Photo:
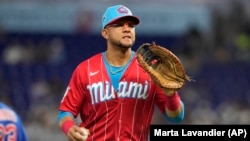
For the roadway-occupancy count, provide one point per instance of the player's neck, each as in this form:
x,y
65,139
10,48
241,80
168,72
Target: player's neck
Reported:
x,y
118,58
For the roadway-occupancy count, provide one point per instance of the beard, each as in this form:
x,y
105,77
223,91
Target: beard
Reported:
x,y
122,45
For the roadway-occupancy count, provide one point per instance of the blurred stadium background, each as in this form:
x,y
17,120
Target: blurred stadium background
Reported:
x,y
42,41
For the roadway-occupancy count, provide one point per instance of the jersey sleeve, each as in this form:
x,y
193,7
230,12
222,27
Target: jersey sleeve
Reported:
x,y
74,94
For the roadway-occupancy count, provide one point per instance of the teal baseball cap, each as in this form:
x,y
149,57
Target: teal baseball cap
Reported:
x,y
117,12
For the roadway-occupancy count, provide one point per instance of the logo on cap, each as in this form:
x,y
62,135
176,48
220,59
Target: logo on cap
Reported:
x,y
122,10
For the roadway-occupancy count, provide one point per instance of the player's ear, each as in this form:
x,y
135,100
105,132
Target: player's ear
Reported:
x,y
104,33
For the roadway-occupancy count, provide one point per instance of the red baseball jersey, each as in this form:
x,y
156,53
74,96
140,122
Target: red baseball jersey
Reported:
x,y
124,114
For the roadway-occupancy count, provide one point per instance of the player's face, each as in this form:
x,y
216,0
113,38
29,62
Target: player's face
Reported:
x,y
121,33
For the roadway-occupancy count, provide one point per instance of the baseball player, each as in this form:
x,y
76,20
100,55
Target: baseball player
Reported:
x,y
113,96
11,127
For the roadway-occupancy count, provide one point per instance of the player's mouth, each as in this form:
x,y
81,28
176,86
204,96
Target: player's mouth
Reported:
x,y
126,37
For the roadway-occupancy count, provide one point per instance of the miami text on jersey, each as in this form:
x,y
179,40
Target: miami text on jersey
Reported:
x,y
103,91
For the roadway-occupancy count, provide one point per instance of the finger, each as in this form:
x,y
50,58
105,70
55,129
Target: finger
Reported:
x,y
74,134
85,131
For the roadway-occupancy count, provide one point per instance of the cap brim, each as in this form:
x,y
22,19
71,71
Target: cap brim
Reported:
x,y
131,18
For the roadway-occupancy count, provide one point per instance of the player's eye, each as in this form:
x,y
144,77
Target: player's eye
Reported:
x,y
120,24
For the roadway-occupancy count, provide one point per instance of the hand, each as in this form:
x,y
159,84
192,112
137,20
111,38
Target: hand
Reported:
x,y
77,133
169,92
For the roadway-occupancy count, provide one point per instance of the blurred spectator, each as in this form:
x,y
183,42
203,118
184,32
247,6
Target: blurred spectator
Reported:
x,y
29,52
42,51
203,114
240,110
39,91
2,36
84,21
243,46
57,87
13,53
56,52
191,48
